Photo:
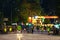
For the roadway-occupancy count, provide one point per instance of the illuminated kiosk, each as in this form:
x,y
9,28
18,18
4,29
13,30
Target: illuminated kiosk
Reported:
x,y
37,20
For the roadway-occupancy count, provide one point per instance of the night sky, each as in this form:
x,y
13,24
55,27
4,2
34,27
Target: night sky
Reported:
x,y
48,5
6,7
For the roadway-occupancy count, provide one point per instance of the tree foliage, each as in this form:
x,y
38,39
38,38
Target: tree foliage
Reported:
x,y
27,9
22,9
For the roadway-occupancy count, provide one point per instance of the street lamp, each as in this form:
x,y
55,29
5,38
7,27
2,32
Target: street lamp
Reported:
x,y
11,15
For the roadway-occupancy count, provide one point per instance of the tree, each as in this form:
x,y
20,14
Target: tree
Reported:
x,y
46,21
20,9
27,9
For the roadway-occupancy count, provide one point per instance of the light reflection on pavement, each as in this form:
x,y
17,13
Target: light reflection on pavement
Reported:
x,y
19,36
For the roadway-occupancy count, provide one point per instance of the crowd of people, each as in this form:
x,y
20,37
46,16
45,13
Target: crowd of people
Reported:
x,y
31,28
25,28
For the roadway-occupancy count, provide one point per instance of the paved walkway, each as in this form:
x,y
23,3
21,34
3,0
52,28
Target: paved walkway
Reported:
x,y
39,37
25,36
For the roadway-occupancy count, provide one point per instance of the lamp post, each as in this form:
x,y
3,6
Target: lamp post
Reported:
x,y
11,15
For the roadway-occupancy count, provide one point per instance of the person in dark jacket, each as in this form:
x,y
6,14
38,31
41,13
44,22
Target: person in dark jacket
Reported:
x,y
37,28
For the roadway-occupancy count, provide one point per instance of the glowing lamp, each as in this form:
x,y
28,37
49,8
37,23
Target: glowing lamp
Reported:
x,y
29,17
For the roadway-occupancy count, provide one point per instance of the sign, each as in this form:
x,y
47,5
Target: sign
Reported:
x,y
51,16
47,16
5,19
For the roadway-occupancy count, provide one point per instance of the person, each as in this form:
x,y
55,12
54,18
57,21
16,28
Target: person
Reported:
x,y
48,29
19,28
55,31
37,28
44,28
0,28
10,28
32,29
23,27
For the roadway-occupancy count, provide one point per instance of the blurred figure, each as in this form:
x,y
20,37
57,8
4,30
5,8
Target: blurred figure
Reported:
x,y
19,28
38,28
55,31
29,28
32,29
48,29
0,28
23,27
44,28
10,28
